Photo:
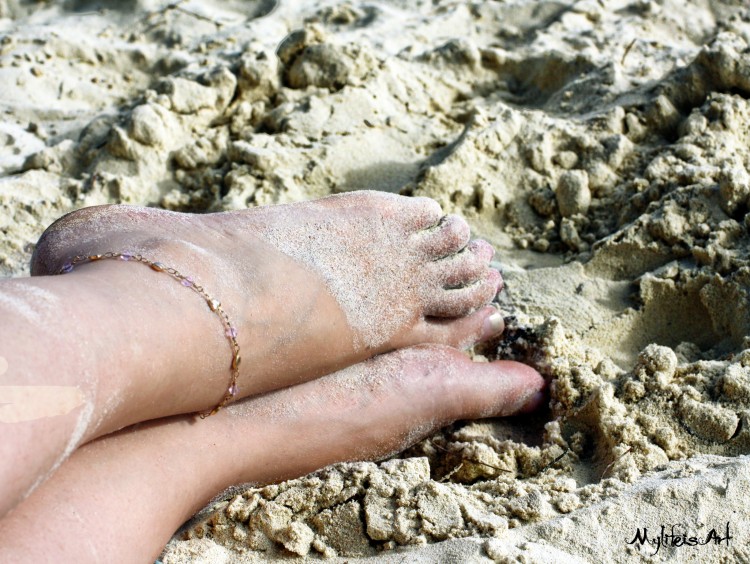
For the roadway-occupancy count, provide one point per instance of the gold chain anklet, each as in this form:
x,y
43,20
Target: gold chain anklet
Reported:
x,y
213,304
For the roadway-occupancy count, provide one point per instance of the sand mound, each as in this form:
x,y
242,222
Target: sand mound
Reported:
x,y
603,147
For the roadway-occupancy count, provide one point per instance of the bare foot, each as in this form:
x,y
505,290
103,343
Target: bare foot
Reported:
x,y
116,489
312,287
377,408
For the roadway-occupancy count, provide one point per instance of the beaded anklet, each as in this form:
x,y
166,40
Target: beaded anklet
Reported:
x,y
213,304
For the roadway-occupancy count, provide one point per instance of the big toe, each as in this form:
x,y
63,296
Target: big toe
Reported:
x,y
463,389
496,389
422,388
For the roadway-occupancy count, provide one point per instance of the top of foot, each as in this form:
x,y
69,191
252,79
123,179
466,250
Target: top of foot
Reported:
x,y
313,286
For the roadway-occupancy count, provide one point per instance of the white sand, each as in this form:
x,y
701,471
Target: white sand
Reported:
x,y
602,146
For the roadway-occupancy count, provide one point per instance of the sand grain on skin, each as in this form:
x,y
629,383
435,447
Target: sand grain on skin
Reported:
x,y
601,147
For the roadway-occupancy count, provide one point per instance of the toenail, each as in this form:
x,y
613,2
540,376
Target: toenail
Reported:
x,y
534,402
493,325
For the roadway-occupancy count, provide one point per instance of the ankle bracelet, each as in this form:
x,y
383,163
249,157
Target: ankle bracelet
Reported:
x,y
213,304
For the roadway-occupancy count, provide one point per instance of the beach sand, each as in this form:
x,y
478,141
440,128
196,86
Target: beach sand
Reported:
x,y
601,146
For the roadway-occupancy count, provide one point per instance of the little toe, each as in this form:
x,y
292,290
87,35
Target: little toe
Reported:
x,y
461,301
465,267
449,236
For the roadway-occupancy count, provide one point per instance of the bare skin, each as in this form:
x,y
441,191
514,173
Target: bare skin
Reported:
x,y
311,287
144,482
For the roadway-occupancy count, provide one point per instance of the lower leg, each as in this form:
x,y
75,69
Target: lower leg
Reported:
x,y
99,349
127,493
122,344
78,356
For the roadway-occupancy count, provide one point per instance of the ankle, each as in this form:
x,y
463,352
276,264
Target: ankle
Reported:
x,y
154,339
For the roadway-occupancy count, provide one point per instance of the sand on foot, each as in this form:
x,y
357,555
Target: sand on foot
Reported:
x,y
601,147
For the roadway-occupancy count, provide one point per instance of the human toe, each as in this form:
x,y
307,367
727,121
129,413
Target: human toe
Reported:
x,y
456,387
449,236
459,332
422,213
465,267
495,389
456,302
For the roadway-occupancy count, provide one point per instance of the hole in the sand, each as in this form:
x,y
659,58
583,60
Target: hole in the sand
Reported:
x,y
677,307
533,83
460,452
93,5
526,429
675,312
738,430
386,176
592,461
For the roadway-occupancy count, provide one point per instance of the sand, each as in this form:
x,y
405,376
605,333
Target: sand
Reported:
x,y
601,146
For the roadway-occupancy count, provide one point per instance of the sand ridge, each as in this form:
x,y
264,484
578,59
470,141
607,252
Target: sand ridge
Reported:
x,y
602,147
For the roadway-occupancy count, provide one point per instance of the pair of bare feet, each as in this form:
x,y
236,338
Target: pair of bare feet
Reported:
x,y
377,291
